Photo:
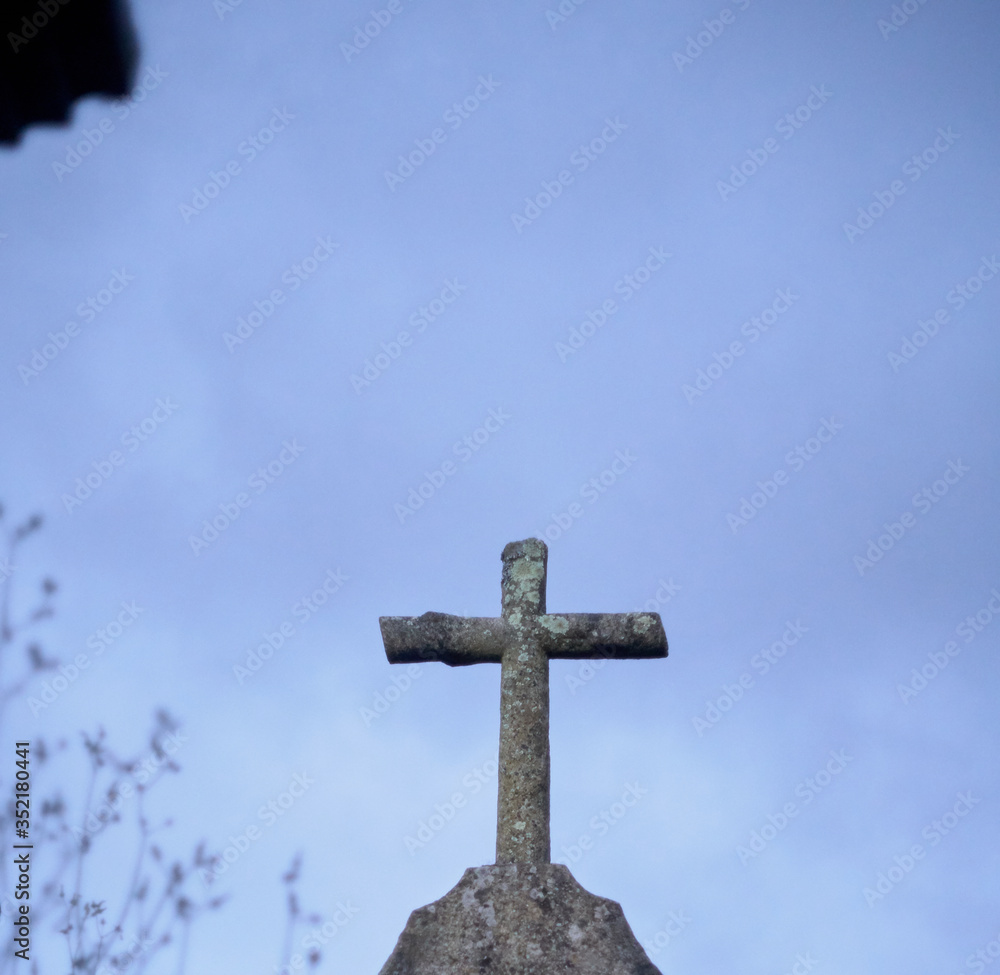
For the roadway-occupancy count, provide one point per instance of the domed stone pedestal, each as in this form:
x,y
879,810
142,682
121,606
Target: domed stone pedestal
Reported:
x,y
518,919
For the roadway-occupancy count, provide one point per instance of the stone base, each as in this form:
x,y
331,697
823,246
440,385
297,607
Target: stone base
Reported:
x,y
518,919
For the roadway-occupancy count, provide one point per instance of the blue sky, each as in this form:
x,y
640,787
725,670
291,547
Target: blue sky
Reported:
x,y
705,296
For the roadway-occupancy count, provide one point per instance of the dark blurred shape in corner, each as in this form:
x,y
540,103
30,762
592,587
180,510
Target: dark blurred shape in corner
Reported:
x,y
53,52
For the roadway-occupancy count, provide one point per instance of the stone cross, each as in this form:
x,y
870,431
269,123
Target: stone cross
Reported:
x,y
522,640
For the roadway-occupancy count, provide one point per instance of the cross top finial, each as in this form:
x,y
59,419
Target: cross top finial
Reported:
x,y
522,584
523,640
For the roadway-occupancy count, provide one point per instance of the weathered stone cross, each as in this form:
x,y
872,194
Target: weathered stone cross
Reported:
x,y
521,640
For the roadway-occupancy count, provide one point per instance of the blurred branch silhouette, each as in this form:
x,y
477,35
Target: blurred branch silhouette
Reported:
x,y
56,53
156,909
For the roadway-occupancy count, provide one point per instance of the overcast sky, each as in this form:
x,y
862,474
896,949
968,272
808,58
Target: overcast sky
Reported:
x,y
352,295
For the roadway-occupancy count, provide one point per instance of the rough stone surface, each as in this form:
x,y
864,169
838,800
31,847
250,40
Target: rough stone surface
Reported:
x,y
522,640
523,768
518,919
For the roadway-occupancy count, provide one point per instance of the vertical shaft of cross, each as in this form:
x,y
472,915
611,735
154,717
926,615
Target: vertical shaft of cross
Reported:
x,y
523,796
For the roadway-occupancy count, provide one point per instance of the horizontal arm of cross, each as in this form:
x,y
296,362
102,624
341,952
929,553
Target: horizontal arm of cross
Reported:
x,y
621,636
453,640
